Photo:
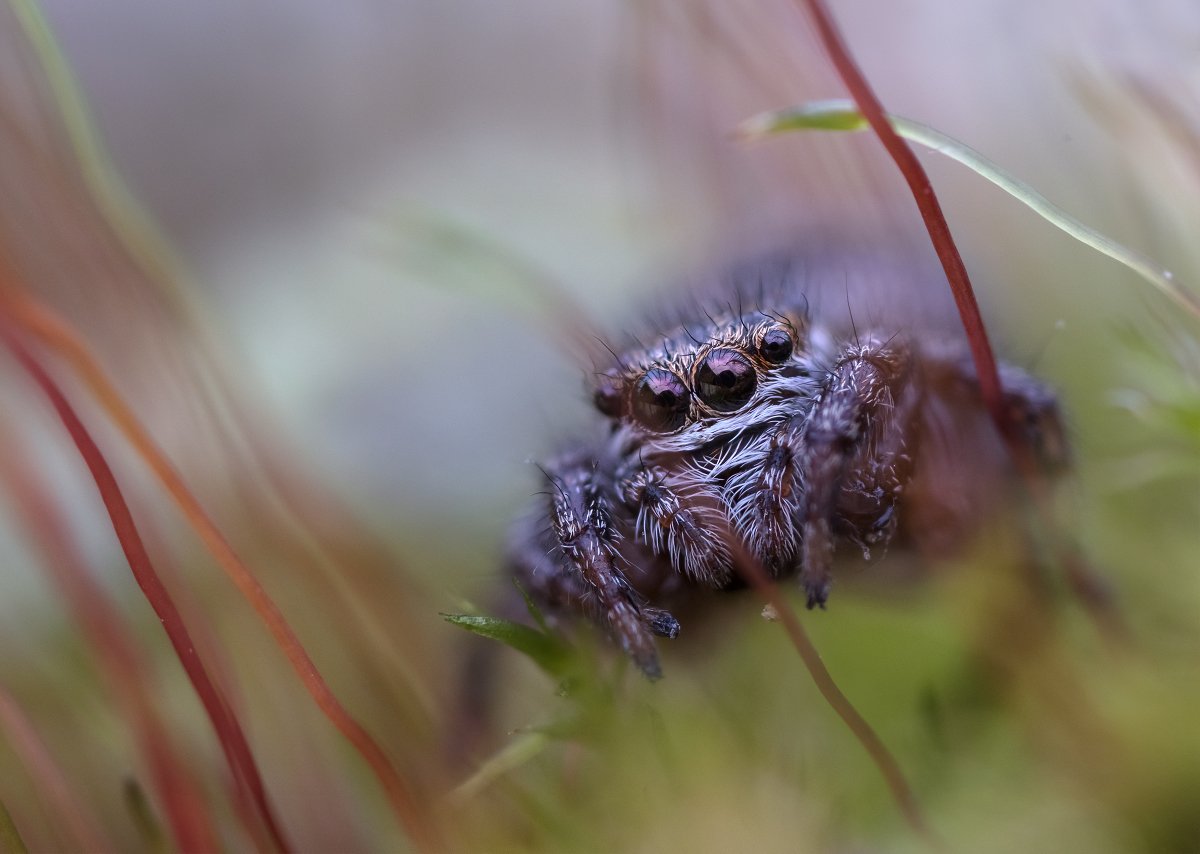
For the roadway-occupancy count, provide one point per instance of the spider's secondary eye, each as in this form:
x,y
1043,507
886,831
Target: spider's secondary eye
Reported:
x,y
776,346
660,401
725,380
609,395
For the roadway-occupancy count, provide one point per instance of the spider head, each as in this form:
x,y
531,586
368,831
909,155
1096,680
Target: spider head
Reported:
x,y
701,377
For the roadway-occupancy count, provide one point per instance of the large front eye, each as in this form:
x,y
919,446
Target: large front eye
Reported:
x,y
725,380
660,401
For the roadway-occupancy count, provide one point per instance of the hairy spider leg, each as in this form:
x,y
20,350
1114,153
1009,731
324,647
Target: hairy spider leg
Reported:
x,y
855,436
682,519
583,526
766,508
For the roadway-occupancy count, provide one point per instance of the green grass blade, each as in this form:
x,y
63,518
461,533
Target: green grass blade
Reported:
x,y
149,829
841,115
120,208
10,838
549,653
511,757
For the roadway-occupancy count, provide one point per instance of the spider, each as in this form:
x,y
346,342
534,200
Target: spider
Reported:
x,y
751,430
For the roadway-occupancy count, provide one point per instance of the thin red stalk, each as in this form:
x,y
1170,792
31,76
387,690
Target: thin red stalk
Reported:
x,y
55,333
115,650
1082,579
964,297
48,777
927,202
229,732
752,572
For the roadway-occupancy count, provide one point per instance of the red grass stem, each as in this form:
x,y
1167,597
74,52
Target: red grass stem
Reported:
x,y
115,649
55,333
1079,575
927,202
229,732
1084,584
752,572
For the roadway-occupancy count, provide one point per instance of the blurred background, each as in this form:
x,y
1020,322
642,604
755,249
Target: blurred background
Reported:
x,y
335,256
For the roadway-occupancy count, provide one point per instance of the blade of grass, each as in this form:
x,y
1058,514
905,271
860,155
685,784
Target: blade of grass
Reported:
x,y
55,333
117,204
511,757
229,732
10,838
149,830
452,247
550,654
841,115
49,781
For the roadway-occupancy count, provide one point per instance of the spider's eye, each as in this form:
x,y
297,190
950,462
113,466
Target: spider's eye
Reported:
x,y
609,395
776,345
660,401
725,380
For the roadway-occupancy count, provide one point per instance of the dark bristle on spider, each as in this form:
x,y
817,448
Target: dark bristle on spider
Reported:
x,y
749,429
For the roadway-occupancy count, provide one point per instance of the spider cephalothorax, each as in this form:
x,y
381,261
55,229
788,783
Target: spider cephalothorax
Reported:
x,y
755,433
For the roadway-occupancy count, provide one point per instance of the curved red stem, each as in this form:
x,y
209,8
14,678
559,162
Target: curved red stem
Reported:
x,y
229,732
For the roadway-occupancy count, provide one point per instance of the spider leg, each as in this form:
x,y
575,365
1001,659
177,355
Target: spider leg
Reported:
x,y
1033,413
948,498
683,519
581,572
1030,405
1036,423
855,457
768,496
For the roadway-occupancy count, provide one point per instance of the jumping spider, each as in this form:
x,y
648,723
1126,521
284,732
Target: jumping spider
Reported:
x,y
754,432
